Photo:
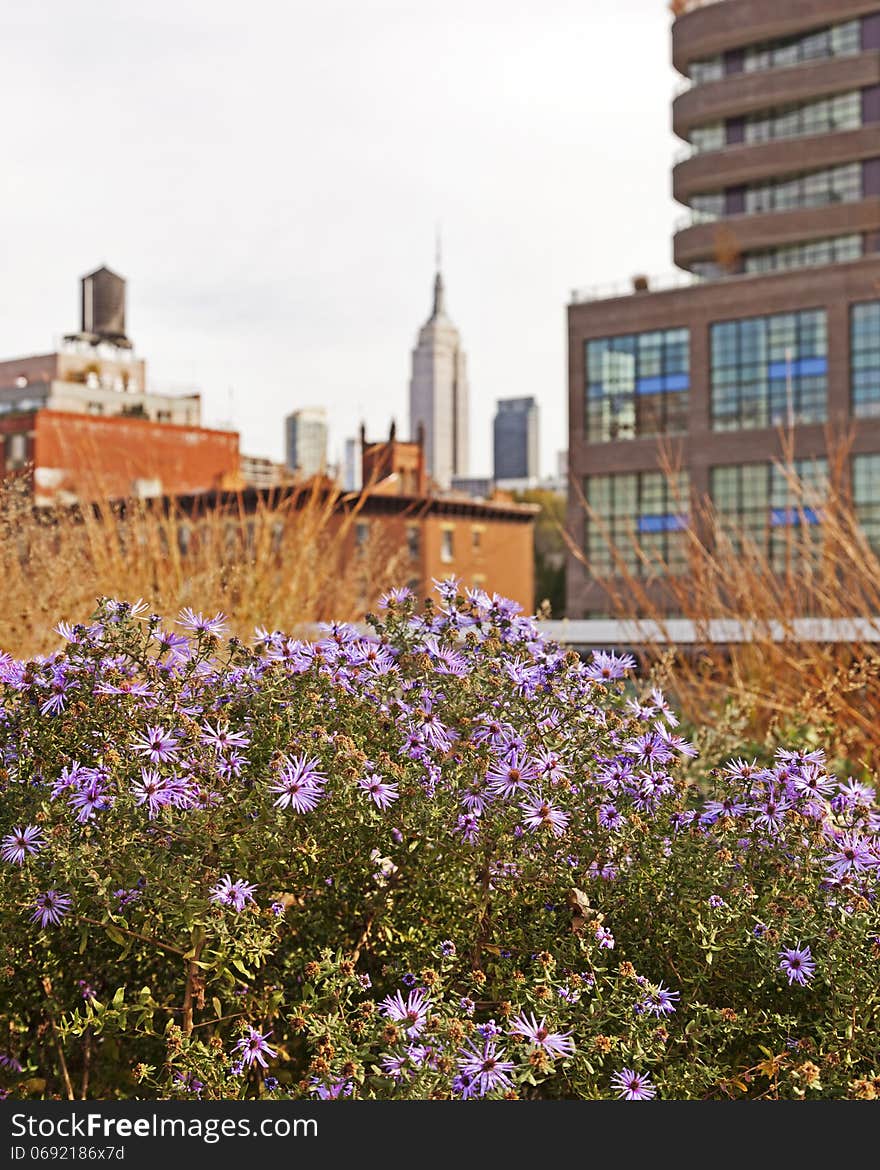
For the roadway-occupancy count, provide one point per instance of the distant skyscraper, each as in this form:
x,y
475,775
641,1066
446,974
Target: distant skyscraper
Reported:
x,y
438,394
352,480
515,434
306,435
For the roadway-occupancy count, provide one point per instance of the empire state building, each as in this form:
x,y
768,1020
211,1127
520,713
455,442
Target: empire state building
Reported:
x,y
438,394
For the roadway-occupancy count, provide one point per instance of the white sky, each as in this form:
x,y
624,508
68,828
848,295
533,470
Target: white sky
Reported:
x,y
268,176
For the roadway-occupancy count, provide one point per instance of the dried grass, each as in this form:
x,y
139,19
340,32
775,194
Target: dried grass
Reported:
x,y
773,686
293,560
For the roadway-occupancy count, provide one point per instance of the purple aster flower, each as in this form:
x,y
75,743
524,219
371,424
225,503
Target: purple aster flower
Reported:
x,y
541,814
394,597
487,1066
236,894
381,792
157,743
505,778
798,964
852,855
330,1092
90,798
413,1011
222,738
175,644
199,624
467,1005
10,1063
488,1030
151,790
605,938
468,825
300,785
447,948
632,1086
21,843
50,908
716,901
605,666
554,1043
270,1084
660,1001
771,814
253,1047
609,817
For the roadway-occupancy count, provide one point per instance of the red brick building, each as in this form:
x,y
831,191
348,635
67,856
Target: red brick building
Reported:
x,y
83,457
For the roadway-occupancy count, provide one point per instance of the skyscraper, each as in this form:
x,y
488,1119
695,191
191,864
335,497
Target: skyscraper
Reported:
x,y
306,435
515,435
438,393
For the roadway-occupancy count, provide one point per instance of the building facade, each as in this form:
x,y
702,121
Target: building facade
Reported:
x,y
73,457
439,394
683,395
515,440
306,441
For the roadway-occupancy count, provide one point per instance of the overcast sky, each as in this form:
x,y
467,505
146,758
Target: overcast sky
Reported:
x,y
268,176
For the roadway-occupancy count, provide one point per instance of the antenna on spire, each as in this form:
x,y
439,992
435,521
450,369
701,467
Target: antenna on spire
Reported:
x,y
438,247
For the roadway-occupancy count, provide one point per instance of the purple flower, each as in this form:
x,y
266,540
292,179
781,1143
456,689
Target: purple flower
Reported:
x,y
554,1043
330,1092
381,792
716,901
447,948
50,908
632,1086
299,784
21,843
606,666
199,624
157,743
236,894
151,790
413,1011
505,778
467,1005
660,1001
222,738
605,938
541,814
487,1069
851,856
798,964
253,1047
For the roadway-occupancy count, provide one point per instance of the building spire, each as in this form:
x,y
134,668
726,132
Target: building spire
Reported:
x,y
439,306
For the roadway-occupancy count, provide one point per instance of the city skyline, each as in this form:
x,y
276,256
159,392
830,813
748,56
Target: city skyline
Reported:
x,y
274,211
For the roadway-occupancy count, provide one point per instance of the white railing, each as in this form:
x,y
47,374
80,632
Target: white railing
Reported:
x,y
601,633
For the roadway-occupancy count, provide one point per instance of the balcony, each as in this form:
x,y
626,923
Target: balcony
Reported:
x,y
758,232
753,162
746,93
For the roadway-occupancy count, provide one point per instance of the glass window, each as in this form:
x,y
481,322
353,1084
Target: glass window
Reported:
x,y
447,548
841,184
843,111
768,371
640,523
775,509
711,69
839,41
865,359
710,137
837,250
637,385
866,495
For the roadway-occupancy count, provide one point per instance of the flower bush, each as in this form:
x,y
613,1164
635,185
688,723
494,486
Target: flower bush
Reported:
x,y
447,859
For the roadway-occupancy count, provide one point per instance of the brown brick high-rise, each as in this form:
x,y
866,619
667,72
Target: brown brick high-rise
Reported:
x,y
775,321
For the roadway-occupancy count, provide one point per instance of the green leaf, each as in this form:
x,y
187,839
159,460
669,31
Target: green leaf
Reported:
x,y
217,1006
